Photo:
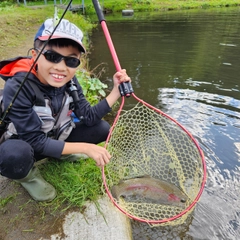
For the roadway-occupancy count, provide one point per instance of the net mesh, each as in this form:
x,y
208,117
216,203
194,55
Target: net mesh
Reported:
x,y
145,142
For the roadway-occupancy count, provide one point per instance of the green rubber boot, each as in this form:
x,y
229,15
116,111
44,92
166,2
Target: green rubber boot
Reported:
x,y
37,187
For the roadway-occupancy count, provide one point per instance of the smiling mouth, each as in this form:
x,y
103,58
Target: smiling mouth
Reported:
x,y
57,76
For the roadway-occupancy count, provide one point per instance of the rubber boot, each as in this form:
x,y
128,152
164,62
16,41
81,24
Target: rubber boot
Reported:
x,y
37,187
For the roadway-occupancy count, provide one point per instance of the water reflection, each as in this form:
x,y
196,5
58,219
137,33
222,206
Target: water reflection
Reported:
x,y
187,64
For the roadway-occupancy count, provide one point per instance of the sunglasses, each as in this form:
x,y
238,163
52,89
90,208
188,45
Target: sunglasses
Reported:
x,y
55,57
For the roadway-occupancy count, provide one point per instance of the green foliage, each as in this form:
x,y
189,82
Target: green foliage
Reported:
x,y
75,182
5,4
93,88
142,1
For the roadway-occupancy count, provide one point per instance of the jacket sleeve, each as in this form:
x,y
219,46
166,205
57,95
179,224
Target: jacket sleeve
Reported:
x,y
26,121
90,114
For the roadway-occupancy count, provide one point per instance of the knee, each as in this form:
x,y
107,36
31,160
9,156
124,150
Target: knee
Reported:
x,y
16,158
105,127
99,132
104,130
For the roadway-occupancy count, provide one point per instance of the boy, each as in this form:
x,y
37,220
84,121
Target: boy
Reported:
x,y
44,130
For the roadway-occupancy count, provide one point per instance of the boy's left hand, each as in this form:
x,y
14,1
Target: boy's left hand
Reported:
x,y
118,78
121,76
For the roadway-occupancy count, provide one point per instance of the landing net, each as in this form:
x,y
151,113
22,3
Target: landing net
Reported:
x,y
147,144
157,171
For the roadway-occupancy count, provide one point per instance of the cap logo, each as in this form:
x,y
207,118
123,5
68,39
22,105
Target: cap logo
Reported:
x,y
67,28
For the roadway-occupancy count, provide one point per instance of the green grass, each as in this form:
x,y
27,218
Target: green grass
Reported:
x,y
19,24
141,5
75,182
5,201
155,5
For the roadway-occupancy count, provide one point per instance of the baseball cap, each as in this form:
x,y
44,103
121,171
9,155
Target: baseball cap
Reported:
x,y
65,29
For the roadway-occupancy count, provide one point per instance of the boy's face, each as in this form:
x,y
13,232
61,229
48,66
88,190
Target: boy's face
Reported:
x,y
56,74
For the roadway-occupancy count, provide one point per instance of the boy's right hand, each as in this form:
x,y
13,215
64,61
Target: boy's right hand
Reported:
x,y
99,154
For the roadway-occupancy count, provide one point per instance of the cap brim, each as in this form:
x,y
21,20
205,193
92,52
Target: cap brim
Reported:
x,y
45,38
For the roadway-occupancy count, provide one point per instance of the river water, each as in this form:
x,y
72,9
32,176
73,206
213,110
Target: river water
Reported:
x,y
187,63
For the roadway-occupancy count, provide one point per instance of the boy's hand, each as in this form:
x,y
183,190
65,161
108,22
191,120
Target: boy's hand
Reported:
x,y
99,154
120,76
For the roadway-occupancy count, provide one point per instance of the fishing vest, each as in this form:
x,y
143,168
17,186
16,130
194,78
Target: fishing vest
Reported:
x,y
58,127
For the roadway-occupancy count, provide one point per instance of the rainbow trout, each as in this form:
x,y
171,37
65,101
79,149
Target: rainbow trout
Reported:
x,y
149,190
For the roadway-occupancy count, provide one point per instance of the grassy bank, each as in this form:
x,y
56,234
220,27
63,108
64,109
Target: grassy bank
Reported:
x,y
19,25
147,5
160,5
